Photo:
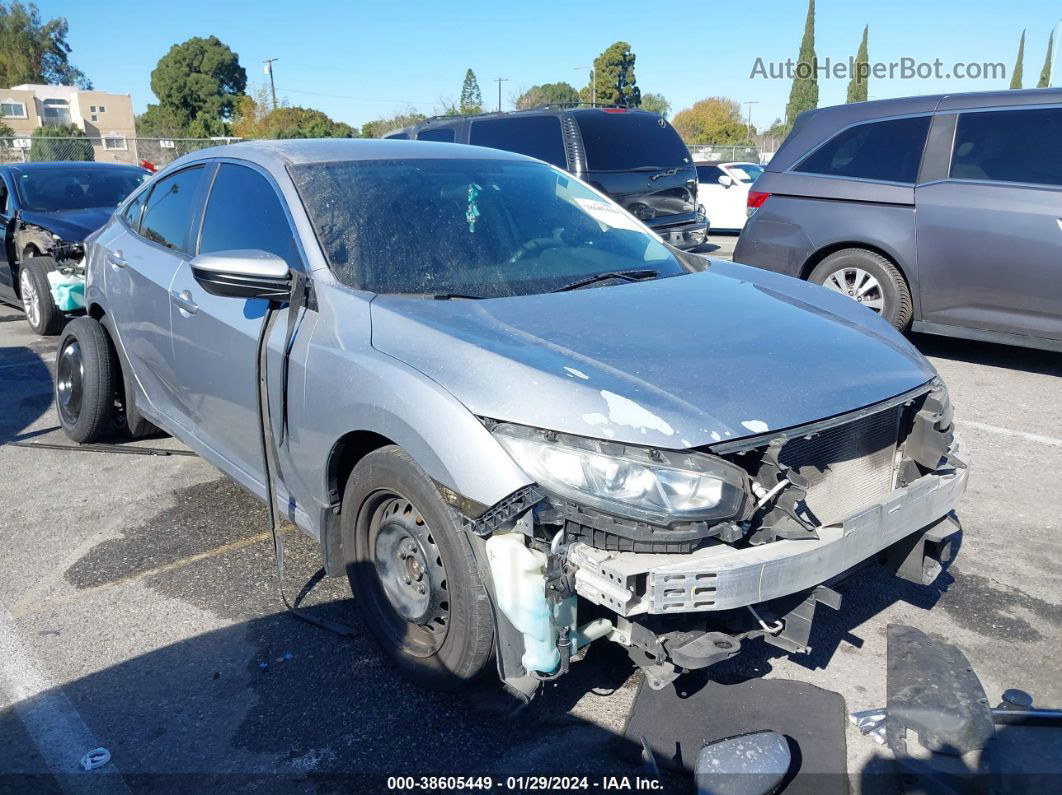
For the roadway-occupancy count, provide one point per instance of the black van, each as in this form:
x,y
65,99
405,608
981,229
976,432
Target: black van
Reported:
x,y
633,156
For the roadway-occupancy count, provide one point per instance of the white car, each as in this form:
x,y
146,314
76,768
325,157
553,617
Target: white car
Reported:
x,y
723,189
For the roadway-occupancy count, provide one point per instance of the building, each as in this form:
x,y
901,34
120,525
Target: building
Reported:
x,y
107,119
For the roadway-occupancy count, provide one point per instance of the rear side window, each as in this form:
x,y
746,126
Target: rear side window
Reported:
x,y
442,134
1009,146
625,141
534,136
890,151
709,174
170,207
244,212
399,136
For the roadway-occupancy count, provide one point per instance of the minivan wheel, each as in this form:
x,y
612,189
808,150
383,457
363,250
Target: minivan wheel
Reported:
x,y
413,573
84,381
869,278
36,294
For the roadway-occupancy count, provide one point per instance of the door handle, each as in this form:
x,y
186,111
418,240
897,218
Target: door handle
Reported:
x,y
184,301
115,260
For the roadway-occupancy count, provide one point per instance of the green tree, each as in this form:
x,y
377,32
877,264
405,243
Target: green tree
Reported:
x,y
716,120
804,95
60,142
616,83
1017,76
5,131
656,103
1045,73
380,127
471,101
857,85
547,94
197,84
32,51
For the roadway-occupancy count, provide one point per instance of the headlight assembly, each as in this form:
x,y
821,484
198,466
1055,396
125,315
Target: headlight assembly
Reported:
x,y
648,485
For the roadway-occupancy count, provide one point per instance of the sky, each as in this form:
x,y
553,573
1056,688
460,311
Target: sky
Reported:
x,y
358,61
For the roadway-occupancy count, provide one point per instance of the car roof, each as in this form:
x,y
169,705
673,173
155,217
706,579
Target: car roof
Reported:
x,y
60,165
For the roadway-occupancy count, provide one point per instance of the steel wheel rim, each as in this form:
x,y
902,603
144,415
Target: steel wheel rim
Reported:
x,y
859,285
69,381
411,574
30,299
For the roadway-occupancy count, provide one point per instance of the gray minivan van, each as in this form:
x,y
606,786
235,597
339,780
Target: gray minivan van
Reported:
x,y
942,213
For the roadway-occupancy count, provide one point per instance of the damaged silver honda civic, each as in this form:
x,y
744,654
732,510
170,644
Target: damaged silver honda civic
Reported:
x,y
516,419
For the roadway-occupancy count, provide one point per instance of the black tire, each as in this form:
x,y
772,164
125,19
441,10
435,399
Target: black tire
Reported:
x,y
85,381
131,423
389,494
43,316
895,295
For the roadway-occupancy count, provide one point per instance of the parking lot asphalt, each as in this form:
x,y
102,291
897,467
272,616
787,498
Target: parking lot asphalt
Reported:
x,y
138,612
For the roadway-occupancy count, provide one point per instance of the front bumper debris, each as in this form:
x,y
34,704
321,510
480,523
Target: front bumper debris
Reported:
x,y
720,577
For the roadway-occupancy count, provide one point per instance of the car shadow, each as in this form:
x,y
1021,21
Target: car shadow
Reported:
x,y
27,392
989,353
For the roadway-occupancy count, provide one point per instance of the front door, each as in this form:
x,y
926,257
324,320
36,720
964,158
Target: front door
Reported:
x,y
989,236
7,231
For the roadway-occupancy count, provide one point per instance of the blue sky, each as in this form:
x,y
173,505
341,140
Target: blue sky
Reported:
x,y
373,59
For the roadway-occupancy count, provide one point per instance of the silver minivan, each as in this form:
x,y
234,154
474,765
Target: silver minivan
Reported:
x,y
941,213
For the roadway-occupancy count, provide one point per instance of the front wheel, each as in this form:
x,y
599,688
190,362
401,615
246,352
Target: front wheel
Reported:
x,y
869,278
85,381
413,573
36,294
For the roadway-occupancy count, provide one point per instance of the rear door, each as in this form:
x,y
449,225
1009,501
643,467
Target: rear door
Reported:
x,y
215,338
7,279
143,252
989,234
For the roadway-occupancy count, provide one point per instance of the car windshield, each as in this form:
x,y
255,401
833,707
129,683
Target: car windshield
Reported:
x,y
619,141
746,172
471,228
47,190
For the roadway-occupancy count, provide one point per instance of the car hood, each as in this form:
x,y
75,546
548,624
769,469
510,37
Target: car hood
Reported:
x,y
73,226
674,363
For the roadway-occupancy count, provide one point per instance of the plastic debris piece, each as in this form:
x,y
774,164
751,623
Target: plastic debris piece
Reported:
x,y
48,633
68,291
262,666
288,656
95,758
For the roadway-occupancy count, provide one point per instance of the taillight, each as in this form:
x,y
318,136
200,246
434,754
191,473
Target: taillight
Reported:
x,y
755,201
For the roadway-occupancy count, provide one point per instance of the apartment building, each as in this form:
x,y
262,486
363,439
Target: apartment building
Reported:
x,y
107,119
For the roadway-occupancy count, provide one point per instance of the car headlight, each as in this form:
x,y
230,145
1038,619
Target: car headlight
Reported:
x,y
639,483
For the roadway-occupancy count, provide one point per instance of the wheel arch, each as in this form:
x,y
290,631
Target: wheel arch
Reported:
x,y
822,253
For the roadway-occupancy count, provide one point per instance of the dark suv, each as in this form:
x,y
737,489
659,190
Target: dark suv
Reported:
x,y
943,213
633,156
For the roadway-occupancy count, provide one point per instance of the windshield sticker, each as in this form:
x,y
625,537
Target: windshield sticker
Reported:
x,y
472,213
608,215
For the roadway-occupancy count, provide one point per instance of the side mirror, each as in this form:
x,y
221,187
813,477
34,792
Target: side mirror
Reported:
x,y
246,273
726,181
749,764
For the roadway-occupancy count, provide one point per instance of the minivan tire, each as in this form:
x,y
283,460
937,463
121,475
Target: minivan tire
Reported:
x,y
85,381
897,307
43,316
390,504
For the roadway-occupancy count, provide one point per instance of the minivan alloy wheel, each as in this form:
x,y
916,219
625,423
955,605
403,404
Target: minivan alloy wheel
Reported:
x,y
69,381
30,299
858,285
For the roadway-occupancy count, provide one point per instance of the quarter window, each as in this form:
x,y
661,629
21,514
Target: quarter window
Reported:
x,y
1009,146
890,151
443,134
132,211
170,207
534,136
244,212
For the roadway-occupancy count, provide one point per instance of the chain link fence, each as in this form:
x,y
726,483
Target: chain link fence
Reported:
x,y
759,150
152,153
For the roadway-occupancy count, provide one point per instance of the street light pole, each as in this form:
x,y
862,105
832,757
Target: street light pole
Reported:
x,y
269,71
499,81
748,122
593,84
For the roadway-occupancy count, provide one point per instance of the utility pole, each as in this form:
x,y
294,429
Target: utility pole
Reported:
x,y
269,71
593,84
748,122
499,81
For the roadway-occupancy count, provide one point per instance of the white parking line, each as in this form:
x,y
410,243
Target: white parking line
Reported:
x,y
1029,437
49,718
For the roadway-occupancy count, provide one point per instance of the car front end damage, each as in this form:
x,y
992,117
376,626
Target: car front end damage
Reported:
x,y
681,556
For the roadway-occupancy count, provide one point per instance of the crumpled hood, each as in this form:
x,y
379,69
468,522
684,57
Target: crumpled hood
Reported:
x,y
73,226
672,363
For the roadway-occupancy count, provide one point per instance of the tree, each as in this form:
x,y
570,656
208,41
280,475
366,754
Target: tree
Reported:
x,y
656,103
1045,73
804,95
547,94
716,120
616,83
260,120
32,51
857,85
197,83
1017,76
5,131
380,127
60,142
471,98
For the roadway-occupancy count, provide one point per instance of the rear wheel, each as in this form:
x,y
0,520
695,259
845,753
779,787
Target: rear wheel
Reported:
x,y
36,293
413,573
869,278
84,381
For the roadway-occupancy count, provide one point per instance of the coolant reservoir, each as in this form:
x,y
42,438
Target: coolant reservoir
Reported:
x,y
520,587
